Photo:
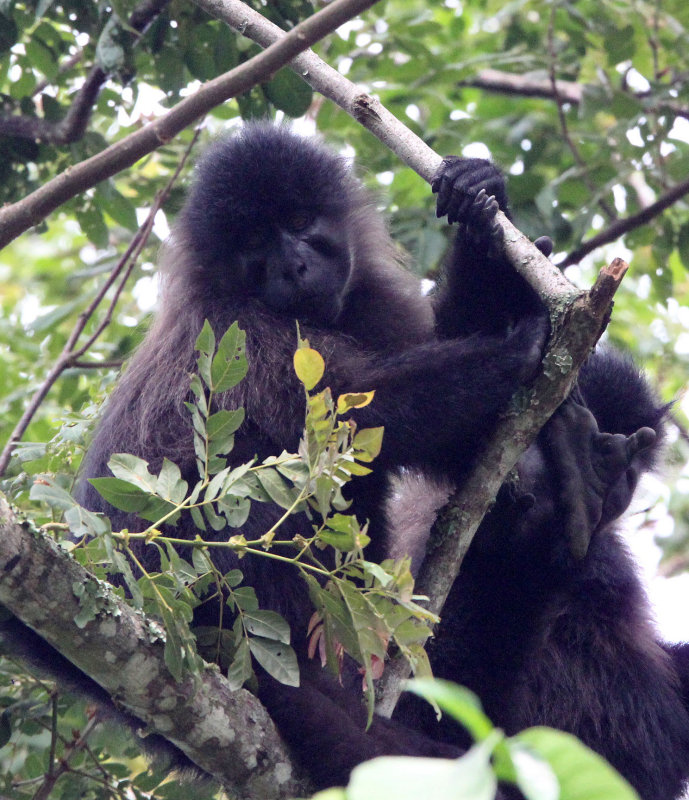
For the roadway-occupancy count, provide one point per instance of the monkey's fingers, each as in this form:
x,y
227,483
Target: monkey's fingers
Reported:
x,y
640,441
573,492
545,245
617,451
458,181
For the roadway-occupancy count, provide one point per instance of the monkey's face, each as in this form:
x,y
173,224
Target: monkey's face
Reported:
x,y
300,268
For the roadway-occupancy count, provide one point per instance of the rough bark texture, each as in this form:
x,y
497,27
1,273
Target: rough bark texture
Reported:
x,y
228,734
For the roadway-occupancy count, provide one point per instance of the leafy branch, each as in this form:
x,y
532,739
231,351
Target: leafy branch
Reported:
x,y
360,606
72,126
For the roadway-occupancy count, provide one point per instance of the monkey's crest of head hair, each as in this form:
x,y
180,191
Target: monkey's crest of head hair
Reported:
x,y
261,176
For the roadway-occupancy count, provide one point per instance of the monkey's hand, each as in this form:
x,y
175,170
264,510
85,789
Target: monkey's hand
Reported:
x,y
596,473
471,191
458,184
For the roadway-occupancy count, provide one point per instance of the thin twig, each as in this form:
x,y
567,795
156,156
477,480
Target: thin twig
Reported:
x,y
621,226
57,770
70,355
562,117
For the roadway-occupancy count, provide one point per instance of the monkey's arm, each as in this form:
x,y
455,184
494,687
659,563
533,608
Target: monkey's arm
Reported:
x,y
479,290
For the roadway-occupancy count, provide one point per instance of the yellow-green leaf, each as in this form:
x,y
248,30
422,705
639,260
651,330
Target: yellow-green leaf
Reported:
x,y
309,366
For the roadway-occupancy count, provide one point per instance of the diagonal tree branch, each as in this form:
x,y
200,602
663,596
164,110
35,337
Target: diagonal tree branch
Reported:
x,y
19,217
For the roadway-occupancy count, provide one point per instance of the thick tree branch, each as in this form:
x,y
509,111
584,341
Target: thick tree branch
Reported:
x,y
577,327
19,217
227,733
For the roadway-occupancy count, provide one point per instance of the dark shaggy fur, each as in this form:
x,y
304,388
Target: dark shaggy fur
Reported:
x,y
541,637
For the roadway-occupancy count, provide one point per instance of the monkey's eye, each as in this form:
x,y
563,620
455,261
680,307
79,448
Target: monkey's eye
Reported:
x,y
298,222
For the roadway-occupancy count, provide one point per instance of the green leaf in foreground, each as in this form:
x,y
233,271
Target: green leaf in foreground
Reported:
x,y
581,773
229,365
470,777
458,702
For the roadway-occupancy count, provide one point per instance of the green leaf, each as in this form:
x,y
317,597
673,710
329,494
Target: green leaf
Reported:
x,y
92,224
197,517
236,510
337,618
156,508
233,578
398,778
276,658
115,204
344,542
169,484
275,487
289,93
120,494
215,486
224,423
461,704
268,624
42,7
229,365
214,520
245,598
41,57
240,670
134,470
110,52
367,443
619,44
85,523
47,491
343,533
365,618
205,344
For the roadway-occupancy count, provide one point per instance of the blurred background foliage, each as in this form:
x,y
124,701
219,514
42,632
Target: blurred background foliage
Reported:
x,y
76,76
